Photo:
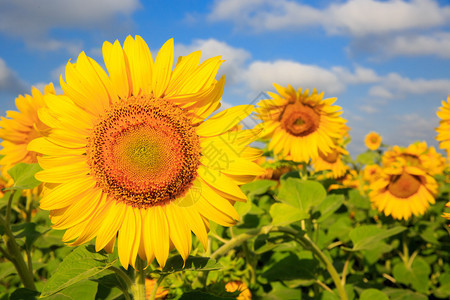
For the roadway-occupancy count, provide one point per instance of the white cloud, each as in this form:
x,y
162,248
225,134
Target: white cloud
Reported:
x,y
359,76
364,17
261,75
9,81
413,45
33,20
395,86
353,17
235,58
369,109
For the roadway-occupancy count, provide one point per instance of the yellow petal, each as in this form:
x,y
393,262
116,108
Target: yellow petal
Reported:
x,y
162,70
224,120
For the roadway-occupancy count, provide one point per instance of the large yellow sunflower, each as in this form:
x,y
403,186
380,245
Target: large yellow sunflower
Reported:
x,y
444,127
299,124
20,128
403,190
332,162
131,155
373,141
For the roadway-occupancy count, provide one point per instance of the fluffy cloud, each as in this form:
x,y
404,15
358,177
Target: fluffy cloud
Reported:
x,y
32,20
235,58
354,17
412,45
9,81
260,76
395,86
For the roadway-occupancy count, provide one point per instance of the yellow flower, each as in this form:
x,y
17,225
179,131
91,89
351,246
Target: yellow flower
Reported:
x,y
300,125
20,128
444,126
131,156
373,141
447,215
331,161
161,293
236,285
403,190
371,173
417,154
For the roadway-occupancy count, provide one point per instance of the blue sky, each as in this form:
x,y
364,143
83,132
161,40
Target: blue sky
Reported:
x,y
387,62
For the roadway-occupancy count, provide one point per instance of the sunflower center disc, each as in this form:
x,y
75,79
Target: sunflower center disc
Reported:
x,y
331,157
404,185
300,120
144,152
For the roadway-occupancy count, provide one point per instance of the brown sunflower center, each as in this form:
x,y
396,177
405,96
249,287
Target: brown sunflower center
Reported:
x,y
144,152
374,139
331,157
300,120
404,185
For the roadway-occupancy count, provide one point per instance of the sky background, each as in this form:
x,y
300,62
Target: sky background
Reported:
x,y
387,62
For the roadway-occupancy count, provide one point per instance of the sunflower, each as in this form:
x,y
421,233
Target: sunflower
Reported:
x,y
20,128
331,161
300,125
373,141
444,126
403,190
130,155
417,154
236,285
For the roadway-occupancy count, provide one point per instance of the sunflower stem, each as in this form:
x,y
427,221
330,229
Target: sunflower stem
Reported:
x,y
328,264
13,251
125,278
139,280
155,287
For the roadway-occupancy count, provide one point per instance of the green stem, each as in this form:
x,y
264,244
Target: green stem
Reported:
x,y
328,264
126,279
13,249
139,281
155,287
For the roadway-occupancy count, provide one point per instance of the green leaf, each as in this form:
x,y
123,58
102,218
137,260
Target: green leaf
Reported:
x,y
193,263
28,231
283,214
258,187
23,175
202,296
243,208
85,290
80,264
291,267
329,206
417,275
373,294
298,198
366,236
368,158
403,294
24,294
301,194
357,200
281,292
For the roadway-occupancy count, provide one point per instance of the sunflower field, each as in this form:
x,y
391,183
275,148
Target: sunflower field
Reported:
x,y
133,184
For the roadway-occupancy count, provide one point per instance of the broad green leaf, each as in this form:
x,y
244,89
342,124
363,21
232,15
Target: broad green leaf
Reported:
x,y
24,294
283,214
366,236
193,263
291,267
329,206
281,292
202,296
301,194
443,291
23,175
28,231
417,275
373,294
81,264
357,200
85,289
258,187
243,208
368,158
403,294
